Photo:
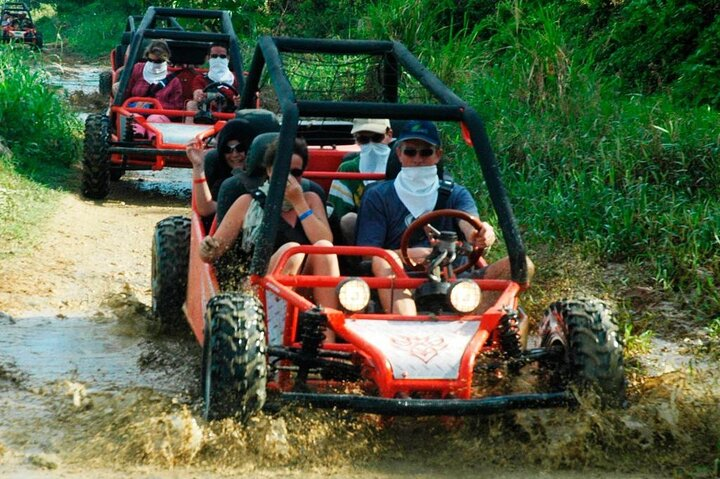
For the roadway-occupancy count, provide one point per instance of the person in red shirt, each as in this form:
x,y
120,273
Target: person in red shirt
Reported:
x,y
151,79
218,72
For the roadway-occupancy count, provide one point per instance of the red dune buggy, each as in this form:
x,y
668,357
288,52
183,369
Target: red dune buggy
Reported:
x,y
17,25
111,146
265,344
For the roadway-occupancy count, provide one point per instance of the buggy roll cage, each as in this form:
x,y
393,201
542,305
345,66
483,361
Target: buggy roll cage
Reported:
x,y
15,7
394,54
148,29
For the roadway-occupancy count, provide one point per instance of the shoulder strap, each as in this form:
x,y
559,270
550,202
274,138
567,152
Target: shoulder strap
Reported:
x,y
260,197
444,190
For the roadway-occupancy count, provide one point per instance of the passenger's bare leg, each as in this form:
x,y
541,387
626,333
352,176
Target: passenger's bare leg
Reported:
x,y
393,300
324,265
191,105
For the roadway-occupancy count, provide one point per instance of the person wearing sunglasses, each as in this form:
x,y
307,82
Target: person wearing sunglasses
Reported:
x,y
211,167
388,209
218,72
303,221
373,136
150,78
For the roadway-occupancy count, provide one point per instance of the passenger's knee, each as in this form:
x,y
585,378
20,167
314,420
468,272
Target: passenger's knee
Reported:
x,y
347,226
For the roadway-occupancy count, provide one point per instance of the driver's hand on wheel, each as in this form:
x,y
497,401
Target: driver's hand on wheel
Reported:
x,y
199,95
484,237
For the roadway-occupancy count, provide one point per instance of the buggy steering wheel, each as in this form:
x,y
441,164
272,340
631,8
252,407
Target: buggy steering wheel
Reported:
x,y
216,86
424,221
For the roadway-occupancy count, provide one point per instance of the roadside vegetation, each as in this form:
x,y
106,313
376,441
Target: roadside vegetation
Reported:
x,y
604,115
39,141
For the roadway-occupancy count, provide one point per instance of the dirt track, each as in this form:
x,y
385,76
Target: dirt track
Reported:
x,y
89,388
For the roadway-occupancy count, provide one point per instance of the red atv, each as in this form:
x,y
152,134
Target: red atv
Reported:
x,y
17,25
111,145
266,341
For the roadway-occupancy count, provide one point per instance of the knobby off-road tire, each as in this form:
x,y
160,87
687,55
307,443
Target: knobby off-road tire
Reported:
x,y
105,83
38,40
170,259
234,368
592,349
96,159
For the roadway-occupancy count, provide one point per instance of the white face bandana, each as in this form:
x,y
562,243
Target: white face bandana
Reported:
x,y
154,72
373,158
417,188
219,71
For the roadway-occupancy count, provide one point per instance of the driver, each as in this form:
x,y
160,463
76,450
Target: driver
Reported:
x,y
218,72
388,208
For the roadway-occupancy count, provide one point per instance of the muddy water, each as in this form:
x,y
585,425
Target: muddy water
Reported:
x,y
90,388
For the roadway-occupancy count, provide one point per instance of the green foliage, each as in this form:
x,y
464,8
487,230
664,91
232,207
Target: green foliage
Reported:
x,y
91,30
34,122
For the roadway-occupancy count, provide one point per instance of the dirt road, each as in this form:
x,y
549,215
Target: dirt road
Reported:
x,y
90,388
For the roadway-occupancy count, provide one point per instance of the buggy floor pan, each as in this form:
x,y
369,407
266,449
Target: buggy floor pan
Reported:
x,y
431,407
179,133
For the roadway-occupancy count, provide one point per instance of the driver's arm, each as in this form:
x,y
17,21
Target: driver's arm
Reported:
x,y
461,199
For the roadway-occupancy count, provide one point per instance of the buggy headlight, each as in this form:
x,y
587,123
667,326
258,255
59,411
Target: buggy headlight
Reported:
x,y
464,296
353,294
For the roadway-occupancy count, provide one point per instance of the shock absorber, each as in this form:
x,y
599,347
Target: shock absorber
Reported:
x,y
312,334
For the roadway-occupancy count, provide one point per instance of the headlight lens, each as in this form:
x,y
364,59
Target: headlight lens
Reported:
x,y
353,294
465,296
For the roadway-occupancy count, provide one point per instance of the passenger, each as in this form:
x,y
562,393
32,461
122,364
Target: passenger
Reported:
x,y
211,168
218,72
373,136
151,79
388,208
303,221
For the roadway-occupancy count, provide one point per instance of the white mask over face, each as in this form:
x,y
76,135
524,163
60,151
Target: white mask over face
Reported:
x,y
373,158
219,71
417,188
154,72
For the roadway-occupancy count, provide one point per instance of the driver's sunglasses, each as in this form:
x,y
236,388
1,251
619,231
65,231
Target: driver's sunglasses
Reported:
x,y
365,139
297,172
239,148
424,152
218,55
157,60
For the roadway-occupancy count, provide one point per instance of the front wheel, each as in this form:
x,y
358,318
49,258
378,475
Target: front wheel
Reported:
x,y
234,368
96,157
591,351
105,83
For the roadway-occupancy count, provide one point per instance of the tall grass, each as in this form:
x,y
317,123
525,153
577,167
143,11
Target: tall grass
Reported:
x,y
34,122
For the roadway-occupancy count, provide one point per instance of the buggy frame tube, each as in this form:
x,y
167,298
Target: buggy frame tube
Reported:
x,y
431,407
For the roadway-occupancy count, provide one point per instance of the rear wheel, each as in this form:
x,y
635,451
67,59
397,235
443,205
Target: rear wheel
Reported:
x,y
592,351
234,369
96,159
38,40
170,259
105,83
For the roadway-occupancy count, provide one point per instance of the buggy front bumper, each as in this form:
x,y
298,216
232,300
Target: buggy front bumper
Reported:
x,y
431,407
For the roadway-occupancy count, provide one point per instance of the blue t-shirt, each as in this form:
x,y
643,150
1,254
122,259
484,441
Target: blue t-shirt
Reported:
x,y
383,218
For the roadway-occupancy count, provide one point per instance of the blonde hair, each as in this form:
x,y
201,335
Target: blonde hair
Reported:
x,y
159,48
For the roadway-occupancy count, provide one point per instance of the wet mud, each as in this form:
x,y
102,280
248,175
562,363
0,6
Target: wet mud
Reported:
x,y
91,387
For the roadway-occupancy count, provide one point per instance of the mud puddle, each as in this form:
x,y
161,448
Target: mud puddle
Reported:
x,y
102,352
